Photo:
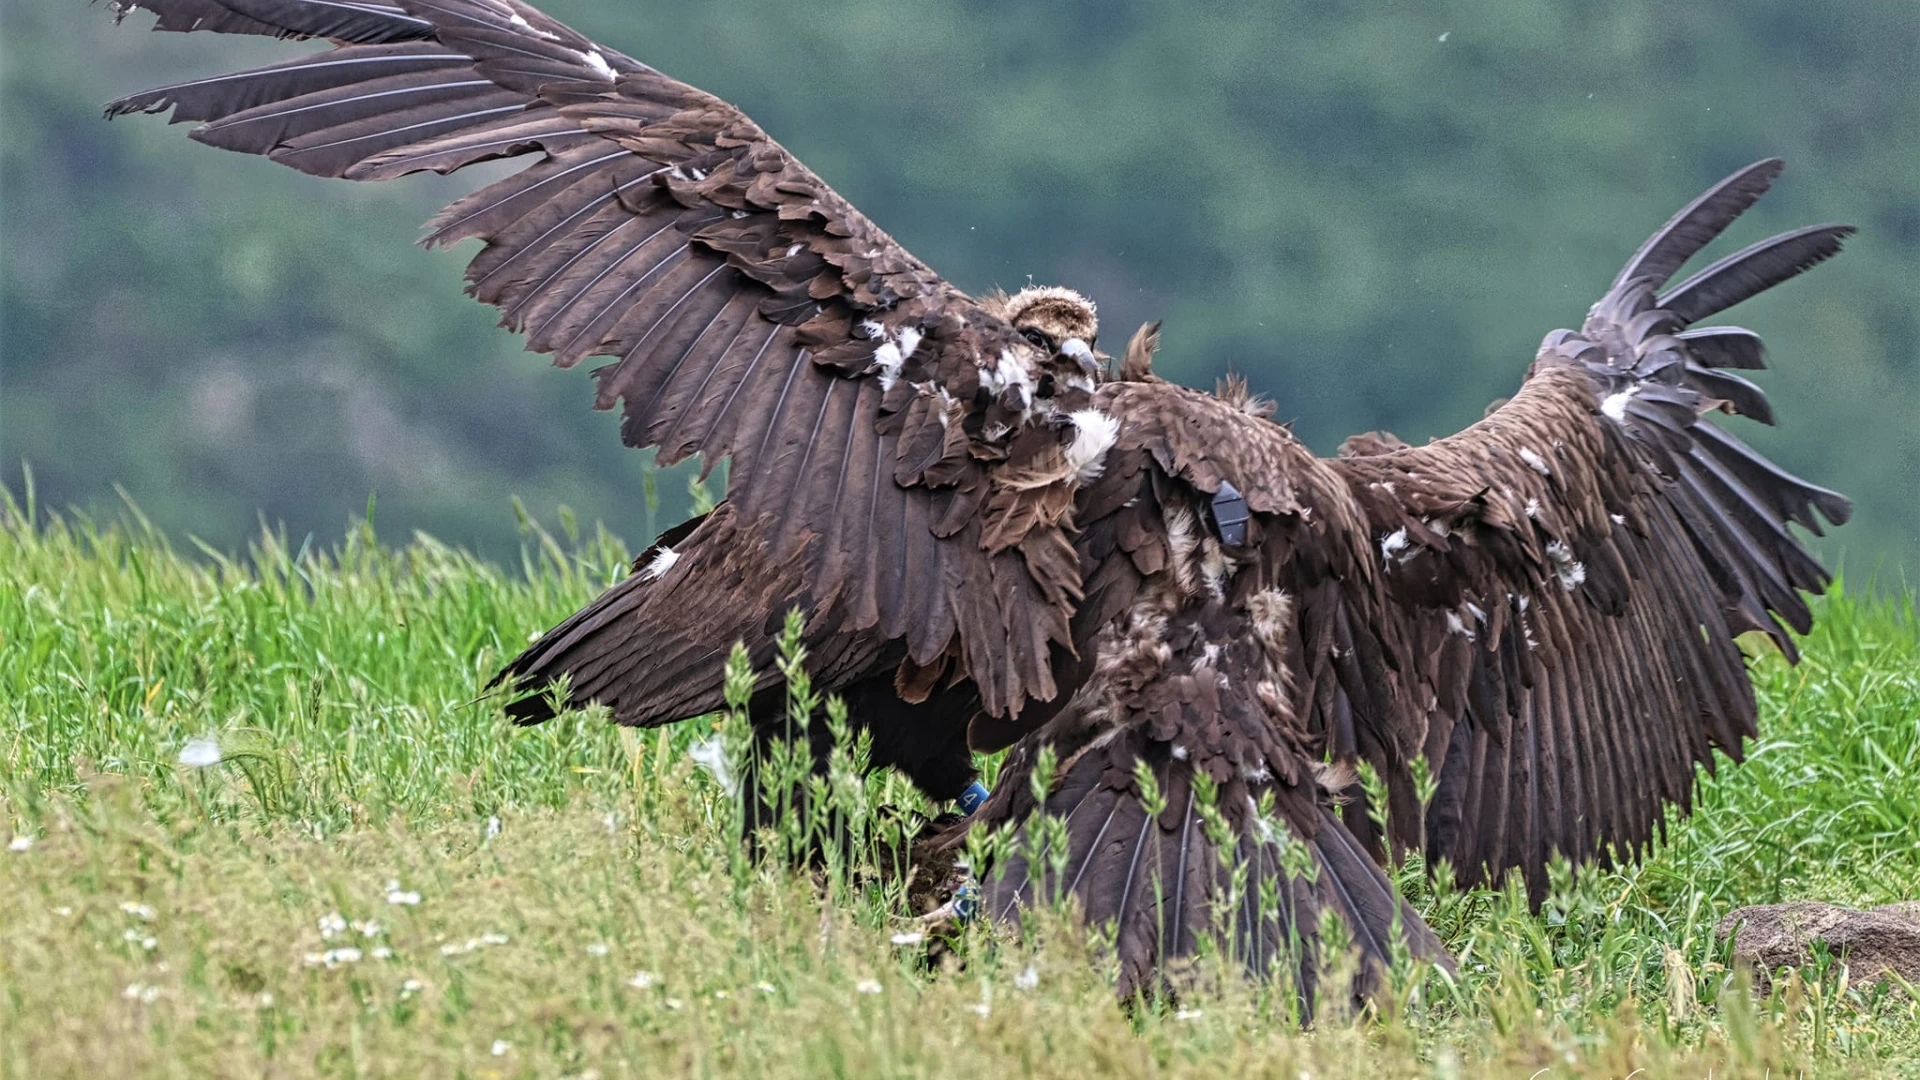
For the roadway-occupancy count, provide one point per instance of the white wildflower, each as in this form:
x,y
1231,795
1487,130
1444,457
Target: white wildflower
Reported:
x,y
200,752
63,911
397,895
141,992
984,1007
1027,979
331,925
643,980
1188,1014
493,826
611,821
265,1000
411,987
138,911
764,987
909,938
599,948
710,754
367,927
381,952
500,1047
334,958
23,842
720,995
672,1003
471,944
867,986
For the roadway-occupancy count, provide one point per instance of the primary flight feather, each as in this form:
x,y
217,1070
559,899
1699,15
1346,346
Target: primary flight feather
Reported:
x,y
995,540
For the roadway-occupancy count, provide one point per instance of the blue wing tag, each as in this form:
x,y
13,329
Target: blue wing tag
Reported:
x,y
971,798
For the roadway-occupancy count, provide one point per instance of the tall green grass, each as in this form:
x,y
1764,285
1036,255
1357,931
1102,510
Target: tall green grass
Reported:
x,y
167,919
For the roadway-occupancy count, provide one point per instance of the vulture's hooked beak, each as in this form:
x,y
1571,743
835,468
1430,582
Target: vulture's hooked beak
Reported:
x,y
1081,353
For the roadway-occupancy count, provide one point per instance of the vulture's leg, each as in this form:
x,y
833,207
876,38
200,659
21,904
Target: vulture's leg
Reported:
x,y
926,742
782,762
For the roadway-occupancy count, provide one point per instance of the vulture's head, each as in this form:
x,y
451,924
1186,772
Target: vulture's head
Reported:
x,y
1062,324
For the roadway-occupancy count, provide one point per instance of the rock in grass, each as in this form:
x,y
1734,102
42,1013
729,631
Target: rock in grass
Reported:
x,y
1882,940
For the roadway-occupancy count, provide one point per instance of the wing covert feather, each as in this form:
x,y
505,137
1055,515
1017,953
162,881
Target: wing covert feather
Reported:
x,y
747,308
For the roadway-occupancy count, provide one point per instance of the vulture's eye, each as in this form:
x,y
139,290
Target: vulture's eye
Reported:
x,y
1038,338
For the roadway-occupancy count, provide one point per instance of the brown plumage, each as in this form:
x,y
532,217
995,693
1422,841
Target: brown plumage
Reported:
x,y
994,543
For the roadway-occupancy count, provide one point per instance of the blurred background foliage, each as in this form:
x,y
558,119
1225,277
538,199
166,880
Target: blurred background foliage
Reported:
x,y
1373,209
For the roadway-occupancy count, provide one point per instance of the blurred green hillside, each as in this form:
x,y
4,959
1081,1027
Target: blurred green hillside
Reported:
x,y
1374,210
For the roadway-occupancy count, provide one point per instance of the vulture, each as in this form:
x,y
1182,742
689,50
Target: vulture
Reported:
x,y
1192,632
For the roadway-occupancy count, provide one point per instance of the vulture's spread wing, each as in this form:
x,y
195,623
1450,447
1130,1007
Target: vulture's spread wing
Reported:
x,y
751,313
1543,606
1566,578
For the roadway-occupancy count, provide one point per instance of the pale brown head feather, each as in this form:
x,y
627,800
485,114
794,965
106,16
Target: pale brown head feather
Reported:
x,y
1138,365
1057,312
1233,389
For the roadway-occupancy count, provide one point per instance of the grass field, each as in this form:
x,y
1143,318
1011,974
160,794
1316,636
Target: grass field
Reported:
x,y
380,877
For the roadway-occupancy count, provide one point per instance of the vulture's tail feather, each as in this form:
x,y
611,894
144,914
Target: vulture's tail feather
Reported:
x,y
574,650
1164,888
648,648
